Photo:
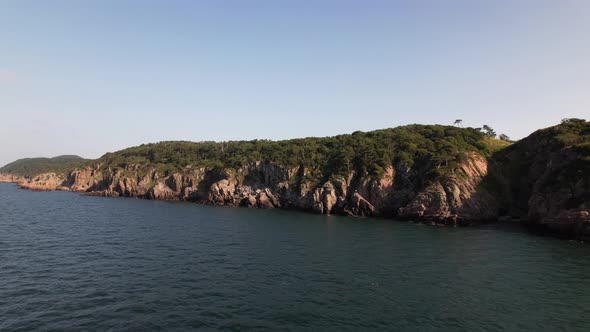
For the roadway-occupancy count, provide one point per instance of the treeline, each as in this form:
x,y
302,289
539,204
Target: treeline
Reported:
x,y
371,152
29,167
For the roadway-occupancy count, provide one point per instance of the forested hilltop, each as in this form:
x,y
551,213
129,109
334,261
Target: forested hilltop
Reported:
x,y
370,152
433,173
29,167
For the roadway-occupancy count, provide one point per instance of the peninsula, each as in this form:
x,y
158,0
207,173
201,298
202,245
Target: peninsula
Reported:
x,y
429,173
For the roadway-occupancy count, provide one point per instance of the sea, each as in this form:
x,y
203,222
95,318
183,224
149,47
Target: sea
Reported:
x,y
70,262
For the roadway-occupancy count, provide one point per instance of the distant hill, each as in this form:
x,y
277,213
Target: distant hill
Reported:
x,y
29,167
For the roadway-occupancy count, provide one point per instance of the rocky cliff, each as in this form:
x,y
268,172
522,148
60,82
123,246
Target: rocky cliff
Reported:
x,y
544,179
268,185
420,173
11,178
455,196
560,196
44,182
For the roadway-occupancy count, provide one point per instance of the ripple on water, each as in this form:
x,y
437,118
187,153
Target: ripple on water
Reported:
x,y
70,262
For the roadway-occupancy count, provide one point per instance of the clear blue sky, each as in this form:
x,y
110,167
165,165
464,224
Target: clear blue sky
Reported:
x,y
88,77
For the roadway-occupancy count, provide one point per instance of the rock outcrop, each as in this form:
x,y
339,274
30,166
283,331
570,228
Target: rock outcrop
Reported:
x,y
268,185
448,178
455,197
11,178
560,196
44,182
544,179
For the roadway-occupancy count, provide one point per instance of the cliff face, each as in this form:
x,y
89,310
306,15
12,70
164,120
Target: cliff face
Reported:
x,y
544,180
11,178
422,173
397,192
43,182
456,196
560,196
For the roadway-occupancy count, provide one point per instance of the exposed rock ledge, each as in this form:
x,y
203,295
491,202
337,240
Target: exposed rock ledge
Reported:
x,y
452,199
44,182
11,178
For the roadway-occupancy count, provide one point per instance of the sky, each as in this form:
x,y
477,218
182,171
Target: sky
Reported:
x,y
90,77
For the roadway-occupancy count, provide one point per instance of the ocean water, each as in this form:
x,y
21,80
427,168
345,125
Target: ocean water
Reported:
x,y
73,262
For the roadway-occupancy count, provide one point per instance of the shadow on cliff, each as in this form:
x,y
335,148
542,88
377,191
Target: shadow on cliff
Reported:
x,y
542,184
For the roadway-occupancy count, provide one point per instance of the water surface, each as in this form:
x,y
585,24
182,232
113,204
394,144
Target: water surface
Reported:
x,y
73,262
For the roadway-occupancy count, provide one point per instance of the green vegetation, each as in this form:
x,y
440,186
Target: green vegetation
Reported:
x,y
431,149
488,131
431,145
575,134
32,166
562,150
494,144
570,132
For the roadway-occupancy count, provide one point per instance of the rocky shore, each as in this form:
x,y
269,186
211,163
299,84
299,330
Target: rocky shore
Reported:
x,y
11,178
454,199
450,200
543,181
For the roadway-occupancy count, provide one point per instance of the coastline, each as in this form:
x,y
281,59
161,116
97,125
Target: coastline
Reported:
x,y
542,230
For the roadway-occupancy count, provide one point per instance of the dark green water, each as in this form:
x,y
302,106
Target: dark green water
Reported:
x,y
71,262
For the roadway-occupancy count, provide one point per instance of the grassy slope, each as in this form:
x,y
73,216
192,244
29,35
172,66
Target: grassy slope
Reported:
x,y
495,144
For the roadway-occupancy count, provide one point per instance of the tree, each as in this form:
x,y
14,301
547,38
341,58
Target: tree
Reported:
x,y
458,123
572,120
504,137
488,131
